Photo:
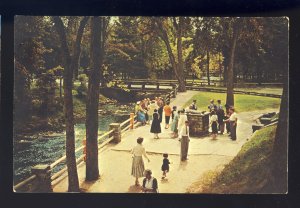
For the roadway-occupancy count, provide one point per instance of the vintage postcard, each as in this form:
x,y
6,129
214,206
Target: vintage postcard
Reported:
x,y
140,104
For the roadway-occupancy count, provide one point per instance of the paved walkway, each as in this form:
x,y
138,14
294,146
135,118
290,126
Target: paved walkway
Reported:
x,y
204,154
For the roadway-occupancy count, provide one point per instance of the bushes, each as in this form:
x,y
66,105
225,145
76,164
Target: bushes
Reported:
x,y
82,88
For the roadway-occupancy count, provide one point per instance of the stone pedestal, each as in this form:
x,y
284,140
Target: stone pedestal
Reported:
x,y
116,133
43,181
198,123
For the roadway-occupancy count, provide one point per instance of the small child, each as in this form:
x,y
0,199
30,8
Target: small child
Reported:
x,y
214,124
165,166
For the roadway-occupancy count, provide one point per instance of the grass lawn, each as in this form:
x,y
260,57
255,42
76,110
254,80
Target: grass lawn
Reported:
x,y
242,102
248,172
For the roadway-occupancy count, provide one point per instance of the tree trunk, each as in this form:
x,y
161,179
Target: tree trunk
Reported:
x,y
70,135
180,59
279,160
73,185
77,49
225,64
60,86
178,70
207,69
230,96
97,50
181,87
220,68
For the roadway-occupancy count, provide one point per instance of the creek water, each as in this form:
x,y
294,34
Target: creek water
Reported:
x,y
47,149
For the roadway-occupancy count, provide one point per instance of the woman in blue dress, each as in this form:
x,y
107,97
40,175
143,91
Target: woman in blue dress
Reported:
x,y
141,117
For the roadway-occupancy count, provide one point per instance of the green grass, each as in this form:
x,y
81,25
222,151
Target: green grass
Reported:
x,y
242,102
248,172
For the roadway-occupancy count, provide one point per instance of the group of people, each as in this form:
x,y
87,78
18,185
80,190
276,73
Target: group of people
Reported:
x,y
152,112
219,118
179,125
145,109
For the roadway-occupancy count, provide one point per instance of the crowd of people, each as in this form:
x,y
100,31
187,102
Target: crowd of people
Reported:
x,y
151,112
219,118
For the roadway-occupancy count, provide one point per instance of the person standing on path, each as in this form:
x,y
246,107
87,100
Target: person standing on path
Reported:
x,y
138,167
182,119
155,126
160,108
174,125
137,107
145,109
221,116
233,123
226,117
211,106
184,134
214,124
151,109
219,105
193,106
149,183
168,111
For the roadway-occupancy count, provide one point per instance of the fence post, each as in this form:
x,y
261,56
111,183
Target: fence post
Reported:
x,y
84,149
116,133
131,120
43,173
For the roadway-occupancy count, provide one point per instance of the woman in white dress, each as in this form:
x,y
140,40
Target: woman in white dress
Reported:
x,y
182,119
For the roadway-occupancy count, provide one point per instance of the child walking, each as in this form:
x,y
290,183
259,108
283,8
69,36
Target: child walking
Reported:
x,y
165,166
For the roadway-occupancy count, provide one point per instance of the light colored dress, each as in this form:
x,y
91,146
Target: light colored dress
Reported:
x,y
174,125
138,166
182,119
151,109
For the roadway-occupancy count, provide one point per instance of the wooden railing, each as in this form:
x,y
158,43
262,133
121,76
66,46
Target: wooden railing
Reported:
x,y
190,82
55,178
207,89
172,93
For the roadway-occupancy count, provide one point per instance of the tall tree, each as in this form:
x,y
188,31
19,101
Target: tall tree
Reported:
x,y
280,153
235,35
279,160
205,39
98,38
69,62
160,25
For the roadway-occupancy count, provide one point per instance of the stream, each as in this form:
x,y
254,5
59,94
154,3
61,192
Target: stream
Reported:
x,y
47,149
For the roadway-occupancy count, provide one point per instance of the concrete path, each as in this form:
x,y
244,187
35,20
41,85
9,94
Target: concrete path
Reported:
x,y
204,154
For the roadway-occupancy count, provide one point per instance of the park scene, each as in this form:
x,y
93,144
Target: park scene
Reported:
x,y
125,104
